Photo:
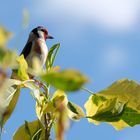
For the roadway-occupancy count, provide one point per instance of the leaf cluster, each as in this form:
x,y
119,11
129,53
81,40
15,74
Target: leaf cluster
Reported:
x,y
117,105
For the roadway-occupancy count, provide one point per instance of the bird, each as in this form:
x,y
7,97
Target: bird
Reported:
x,y
36,47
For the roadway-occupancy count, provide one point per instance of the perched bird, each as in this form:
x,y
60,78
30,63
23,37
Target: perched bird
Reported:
x,y
36,46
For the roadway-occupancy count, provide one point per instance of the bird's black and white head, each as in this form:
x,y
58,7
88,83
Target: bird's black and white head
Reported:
x,y
40,32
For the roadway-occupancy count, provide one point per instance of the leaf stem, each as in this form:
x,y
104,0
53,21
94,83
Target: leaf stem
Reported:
x,y
41,84
87,90
36,134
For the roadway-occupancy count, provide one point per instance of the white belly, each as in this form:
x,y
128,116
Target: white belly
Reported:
x,y
41,57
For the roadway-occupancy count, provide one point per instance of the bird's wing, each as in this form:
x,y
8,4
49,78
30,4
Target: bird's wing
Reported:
x,y
27,49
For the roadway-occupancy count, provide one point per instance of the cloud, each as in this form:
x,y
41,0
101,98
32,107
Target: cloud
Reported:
x,y
110,14
114,57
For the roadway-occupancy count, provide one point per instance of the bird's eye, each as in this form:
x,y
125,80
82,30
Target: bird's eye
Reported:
x,y
42,30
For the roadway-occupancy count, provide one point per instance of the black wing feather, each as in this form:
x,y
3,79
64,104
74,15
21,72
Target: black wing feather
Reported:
x,y
27,49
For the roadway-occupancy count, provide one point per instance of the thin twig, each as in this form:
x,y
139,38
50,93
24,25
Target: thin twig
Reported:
x,y
42,85
46,128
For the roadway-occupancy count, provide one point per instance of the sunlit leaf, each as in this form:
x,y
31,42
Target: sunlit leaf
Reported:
x,y
40,107
51,56
60,96
117,105
67,80
92,106
4,36
75,112
12,105
110,111
22,69
35,131
60,102
9,93
44,106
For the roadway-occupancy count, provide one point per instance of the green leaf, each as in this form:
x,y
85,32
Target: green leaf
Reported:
x,y
36,131
131,116
27,129
40,107
51,55
59,98
22,70
50,106
110,111
118,105
75,112
67,80
9,94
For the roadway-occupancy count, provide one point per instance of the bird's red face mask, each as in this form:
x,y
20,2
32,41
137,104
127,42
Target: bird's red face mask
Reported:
x,y
46,35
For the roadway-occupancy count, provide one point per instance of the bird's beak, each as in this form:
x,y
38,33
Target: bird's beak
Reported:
x,y
50,37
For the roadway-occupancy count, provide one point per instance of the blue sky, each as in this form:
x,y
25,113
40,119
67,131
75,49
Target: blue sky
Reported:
x,y
99,37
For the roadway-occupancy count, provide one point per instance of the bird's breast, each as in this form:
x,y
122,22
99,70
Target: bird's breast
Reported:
x,y
40,51
44,52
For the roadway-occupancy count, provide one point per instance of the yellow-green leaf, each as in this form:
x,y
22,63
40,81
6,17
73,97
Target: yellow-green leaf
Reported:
x,y
51,56
9,94
30,131
59,96
44,106
67,80
41,107
75,112
117,105
22,69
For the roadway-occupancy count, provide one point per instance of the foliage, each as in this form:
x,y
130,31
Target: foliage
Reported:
x,y
30,131
67,80
117,105
22,68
